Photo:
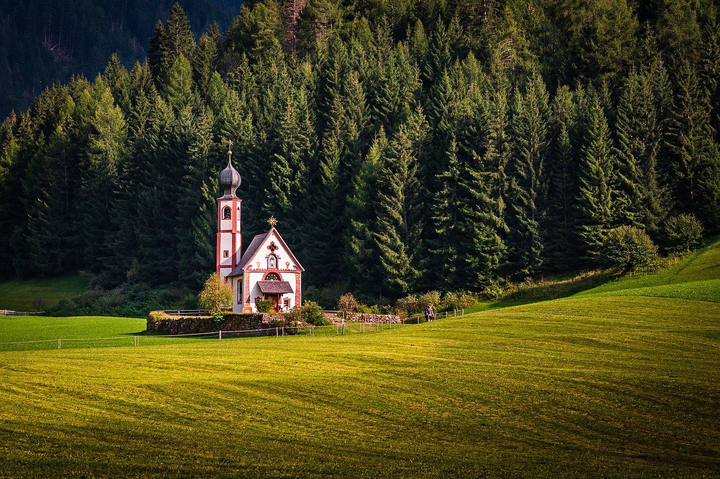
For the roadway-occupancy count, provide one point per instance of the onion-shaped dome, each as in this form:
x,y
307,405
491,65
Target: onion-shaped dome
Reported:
x,y
229,180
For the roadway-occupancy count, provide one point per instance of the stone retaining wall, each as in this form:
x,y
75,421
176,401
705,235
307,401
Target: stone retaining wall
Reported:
x,y
159,322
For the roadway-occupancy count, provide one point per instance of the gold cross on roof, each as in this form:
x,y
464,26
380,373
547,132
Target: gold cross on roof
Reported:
x,y
272,221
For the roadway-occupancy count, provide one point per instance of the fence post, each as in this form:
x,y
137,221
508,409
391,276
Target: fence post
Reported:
x,y
463,312
343,328
59,343
277,332
137,341
220,335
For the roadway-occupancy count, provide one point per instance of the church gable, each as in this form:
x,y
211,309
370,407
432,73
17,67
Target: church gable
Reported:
x,y
267,252
271,253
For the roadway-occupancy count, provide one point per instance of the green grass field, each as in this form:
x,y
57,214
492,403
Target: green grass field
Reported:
x,y
609,383
20,295
699,269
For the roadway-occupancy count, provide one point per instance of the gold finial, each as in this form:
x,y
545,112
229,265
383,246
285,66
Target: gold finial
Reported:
x,y
230,149
272,221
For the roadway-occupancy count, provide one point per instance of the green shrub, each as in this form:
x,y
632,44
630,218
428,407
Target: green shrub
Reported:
x,y
216,294
429,299
293,315
682,233
493,291
278,321
628,248
461,300
365,309
264,305
347,304
408,305
311,313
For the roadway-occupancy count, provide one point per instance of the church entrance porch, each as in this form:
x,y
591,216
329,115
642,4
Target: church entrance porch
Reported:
x,y
274,291
275,298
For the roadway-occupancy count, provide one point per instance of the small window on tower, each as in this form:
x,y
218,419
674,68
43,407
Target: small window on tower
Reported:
x,y
226,213
226,254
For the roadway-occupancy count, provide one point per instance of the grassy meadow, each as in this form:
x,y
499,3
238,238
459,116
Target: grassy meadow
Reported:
x,y
23,295
606,383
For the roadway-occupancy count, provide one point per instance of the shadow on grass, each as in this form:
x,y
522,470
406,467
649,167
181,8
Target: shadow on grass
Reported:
x,y
545,290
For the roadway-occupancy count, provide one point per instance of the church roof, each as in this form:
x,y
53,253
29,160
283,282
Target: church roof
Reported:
x,y
249,253
275,287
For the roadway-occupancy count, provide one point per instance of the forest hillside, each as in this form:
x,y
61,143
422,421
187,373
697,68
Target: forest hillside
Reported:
x,y
403,145
43,42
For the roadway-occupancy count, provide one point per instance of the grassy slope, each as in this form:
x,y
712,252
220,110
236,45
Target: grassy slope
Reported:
x,y
696,277
600,384
19,294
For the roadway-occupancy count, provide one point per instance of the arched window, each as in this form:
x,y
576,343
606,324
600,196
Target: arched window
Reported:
x,y
226,213
272,277
272,261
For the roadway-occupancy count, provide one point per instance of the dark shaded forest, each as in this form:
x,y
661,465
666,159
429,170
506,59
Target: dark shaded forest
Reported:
x,y
403,145
43,42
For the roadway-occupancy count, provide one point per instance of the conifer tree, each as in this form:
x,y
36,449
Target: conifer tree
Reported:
x,y
360,248
562,183
205,60
100,175
117,79
691,140
179,87
642,200
597,175
157,200
481,226
196,221
10,188
398,229
445,219
710,65
170,42
527,177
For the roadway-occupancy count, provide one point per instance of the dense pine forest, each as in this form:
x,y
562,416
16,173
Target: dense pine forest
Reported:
x,y
47,41
403,145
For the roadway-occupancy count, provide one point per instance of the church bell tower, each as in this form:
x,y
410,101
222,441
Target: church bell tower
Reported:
x,y
229,238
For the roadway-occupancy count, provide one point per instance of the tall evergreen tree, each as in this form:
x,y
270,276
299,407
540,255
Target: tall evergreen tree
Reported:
x,y
643,200
398,230
691,141
100,176
360,246
527,184
561,249
447,244
197,209
597,175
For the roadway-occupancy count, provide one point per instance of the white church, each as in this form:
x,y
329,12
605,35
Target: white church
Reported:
x,y
268,270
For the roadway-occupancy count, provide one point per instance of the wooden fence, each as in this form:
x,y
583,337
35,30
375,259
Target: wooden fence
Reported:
x,y
187,312
8,312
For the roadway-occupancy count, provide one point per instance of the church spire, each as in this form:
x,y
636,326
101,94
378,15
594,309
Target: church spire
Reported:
x,y
229,177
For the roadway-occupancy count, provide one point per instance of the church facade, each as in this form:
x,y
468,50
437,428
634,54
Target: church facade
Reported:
x,y
267,270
